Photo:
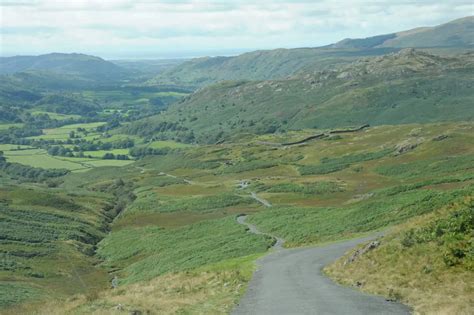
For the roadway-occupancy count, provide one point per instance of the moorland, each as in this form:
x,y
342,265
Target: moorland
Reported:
x,y
138,169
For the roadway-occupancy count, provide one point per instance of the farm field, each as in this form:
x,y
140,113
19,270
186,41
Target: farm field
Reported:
x,y
40,158
6,126
62,133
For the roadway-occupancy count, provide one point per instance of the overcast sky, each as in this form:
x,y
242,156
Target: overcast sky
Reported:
x,y
166,29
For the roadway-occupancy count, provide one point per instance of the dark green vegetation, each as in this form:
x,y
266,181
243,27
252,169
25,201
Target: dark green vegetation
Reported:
x,y
73,64
378,90
452,232
120,172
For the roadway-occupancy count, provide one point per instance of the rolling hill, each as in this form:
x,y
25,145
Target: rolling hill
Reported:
x,y
405,87
80,65
258,65
458,33
279,63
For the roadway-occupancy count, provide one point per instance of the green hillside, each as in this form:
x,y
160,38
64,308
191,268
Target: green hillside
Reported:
x,y
458,33
122,185
258,65
404,87
280,63
177,238
86,66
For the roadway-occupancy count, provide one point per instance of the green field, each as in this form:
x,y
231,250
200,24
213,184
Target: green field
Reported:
x,y
6,126
40,158
100,153
62,133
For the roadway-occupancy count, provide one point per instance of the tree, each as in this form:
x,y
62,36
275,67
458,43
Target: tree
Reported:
x,y
108,156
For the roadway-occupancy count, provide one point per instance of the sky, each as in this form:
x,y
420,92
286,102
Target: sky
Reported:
x,y
157,29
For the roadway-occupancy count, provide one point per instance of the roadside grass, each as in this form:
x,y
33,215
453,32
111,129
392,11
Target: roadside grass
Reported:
x,y
16,293
177,219
324,224
180,249
212,289
426,263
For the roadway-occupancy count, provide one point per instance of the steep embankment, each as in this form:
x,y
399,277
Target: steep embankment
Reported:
x,y
421,263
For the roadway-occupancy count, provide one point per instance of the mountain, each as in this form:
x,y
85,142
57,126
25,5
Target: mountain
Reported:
x,y
259,65
80,65
279,63
458,33
405,87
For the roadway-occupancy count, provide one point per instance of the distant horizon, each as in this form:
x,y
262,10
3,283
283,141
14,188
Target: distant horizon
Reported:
x,y
170,57
141,29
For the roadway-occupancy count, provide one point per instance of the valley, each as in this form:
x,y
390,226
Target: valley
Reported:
x,y
170,186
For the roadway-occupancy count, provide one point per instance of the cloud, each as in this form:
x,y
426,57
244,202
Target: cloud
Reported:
x,y
28,30
165,27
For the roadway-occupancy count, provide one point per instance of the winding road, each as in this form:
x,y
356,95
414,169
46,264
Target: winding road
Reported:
x,y
291,282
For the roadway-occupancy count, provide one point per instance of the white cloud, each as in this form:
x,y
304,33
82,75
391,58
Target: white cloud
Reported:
x,y
165,28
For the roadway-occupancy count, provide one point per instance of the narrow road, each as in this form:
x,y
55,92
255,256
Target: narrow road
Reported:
x,y
261,200
291,282
253,229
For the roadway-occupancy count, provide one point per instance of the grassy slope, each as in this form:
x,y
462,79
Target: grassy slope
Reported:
x,y
171,219
72,64
259,65
457,33
375,91
47,239
427,262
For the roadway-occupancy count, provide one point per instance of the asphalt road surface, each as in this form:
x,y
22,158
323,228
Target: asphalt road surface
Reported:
x,y
291,282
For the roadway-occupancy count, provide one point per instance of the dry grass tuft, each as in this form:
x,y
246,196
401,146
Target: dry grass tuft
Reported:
x,y
203,292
